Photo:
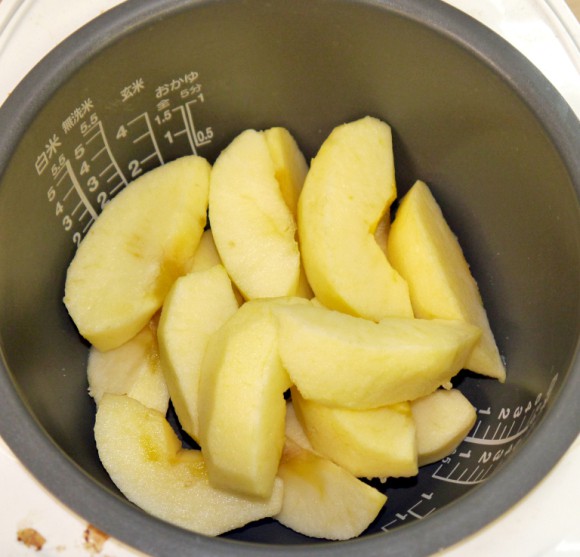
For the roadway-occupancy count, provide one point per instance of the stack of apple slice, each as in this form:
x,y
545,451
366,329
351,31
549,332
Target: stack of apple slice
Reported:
x,y
302,289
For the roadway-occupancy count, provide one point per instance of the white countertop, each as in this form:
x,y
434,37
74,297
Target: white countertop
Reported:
x,y
546,523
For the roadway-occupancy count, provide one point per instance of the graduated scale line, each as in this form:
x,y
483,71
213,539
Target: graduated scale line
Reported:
x,y
493,441
106,149
77,188
147,135
471,480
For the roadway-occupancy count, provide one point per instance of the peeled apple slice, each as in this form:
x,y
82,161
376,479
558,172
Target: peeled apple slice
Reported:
x,y
345,361
290,166
253,228
294,430
197,305
290,169
132,369
241,402
425,251
206,255
142,241
376,443
144,458
442,420
323,500
349,188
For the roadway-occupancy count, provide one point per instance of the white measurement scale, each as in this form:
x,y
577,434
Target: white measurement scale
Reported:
x,y
546,523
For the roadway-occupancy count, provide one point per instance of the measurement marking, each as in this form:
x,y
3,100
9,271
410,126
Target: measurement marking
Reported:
x,y
482,474
454,468
71,189
416,515
502,441
61,178
88,225
486,432
106,148
98,153
186,129
476,429
105,170
119,186
523,422
78,206
90,139
462,474
149,157
112,177
471,475
496,430
149,133
142,136
192,125
449,479
89,130
84,199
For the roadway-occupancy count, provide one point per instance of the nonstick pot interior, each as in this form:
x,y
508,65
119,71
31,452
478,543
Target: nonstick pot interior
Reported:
x,y
154,80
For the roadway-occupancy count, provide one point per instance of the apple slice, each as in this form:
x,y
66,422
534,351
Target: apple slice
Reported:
x,y
145,460
132,369
290,169
241,402
376,443
197,305
349,188
142,241
425,251
290,166
294,430
253,228
382,232
341,360
321,499
442,420
206,255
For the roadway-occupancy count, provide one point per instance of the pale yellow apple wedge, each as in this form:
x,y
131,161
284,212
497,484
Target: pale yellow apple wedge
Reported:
x,y
294,430
132,369
382,232
206,255
323,500
376,443
425,251
442,420
145,460
290,169
142,241
197,305
241,402
253,228
349,188
290,166
341,360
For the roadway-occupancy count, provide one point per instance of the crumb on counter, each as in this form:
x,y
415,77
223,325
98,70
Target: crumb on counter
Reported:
x,y
31,538
94,539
